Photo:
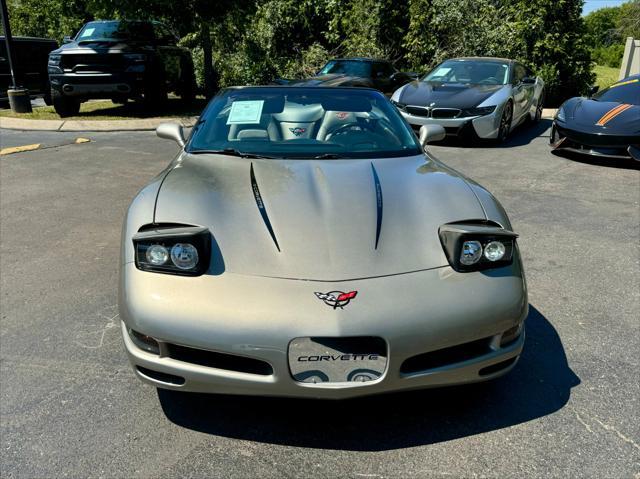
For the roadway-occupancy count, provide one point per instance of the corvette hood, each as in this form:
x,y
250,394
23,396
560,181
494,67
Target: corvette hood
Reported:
x,y
444,95
602,117
318,219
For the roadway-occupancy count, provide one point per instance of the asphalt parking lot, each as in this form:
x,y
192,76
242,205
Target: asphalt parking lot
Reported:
x,y
71,406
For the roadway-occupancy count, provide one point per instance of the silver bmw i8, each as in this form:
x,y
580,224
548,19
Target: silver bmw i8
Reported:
x,y
473,97
304,243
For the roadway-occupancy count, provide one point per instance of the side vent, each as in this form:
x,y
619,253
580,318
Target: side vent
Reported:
x,y
263,211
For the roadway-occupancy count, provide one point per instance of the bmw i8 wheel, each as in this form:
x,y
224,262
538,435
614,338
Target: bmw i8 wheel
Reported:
x,y
539,108
505,123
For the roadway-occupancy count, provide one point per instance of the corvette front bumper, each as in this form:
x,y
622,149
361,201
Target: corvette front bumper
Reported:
x,y
254,319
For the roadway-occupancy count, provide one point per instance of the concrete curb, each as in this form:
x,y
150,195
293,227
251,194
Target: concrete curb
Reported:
x,y
92,125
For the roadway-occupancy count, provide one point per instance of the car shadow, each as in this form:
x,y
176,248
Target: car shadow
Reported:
x,y
620,163
539,385
522,135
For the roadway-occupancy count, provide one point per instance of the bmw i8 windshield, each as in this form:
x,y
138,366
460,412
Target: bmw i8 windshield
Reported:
x,y
475,72
275,122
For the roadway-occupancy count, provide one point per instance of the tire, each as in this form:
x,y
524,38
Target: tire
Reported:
x,y
505,123
120,100
539,108
65,106
155,90
188,84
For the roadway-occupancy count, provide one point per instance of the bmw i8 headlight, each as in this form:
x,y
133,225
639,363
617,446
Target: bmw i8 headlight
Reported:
x,y
475,247
478,111
184,251
399,106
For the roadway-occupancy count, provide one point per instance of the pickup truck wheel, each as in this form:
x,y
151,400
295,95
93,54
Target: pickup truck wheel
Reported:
x,y
64,105
155,90
187,84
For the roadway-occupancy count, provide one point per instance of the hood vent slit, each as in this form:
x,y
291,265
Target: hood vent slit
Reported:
x,y
260,204
376,182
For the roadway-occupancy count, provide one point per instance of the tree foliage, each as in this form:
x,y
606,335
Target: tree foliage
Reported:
x,y
254,41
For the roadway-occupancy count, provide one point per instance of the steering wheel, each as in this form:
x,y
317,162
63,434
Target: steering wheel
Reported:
x,y
343,129
489,81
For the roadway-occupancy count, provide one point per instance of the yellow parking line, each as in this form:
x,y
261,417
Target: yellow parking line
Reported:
x,y
18,149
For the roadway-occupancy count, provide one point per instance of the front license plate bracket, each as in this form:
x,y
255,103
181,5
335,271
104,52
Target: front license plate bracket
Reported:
x,y
337,360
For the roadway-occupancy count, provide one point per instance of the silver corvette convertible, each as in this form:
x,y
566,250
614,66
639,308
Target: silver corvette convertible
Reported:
x,y
475,97
302,243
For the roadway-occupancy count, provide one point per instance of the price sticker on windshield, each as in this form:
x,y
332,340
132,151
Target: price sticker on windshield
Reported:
x,y
246,112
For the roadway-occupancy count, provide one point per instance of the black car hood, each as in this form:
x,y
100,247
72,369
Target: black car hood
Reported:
x,y
450,95
330,79
594,116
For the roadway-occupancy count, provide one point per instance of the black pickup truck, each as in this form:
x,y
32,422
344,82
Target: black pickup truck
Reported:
x,y
120,60
30,62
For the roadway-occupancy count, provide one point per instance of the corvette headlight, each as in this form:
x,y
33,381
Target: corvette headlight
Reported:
x,y
184,251
475,247
479,111
560,114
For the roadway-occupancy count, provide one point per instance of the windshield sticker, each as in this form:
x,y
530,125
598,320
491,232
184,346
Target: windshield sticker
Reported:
x,y
245,112
88,32
442,71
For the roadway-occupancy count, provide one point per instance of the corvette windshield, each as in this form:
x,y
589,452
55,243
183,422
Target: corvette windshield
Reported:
x,y
475,72
347,67
295,122
621,92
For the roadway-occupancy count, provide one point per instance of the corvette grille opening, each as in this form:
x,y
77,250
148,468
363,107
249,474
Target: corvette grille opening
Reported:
x,y
494,368
446,356
161,377
211,359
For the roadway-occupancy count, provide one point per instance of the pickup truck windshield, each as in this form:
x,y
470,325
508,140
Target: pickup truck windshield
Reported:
x,y
297,122
116,30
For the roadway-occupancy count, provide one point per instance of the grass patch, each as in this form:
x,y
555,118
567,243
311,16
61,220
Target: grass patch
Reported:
x,y
107,110
605,76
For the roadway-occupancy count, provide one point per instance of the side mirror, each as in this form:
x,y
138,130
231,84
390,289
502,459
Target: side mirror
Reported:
x,y
67,39
431,133
412,75
171,131
529,80
593,89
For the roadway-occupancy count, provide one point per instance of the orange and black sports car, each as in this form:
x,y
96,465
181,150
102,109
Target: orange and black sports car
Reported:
x,y
605,125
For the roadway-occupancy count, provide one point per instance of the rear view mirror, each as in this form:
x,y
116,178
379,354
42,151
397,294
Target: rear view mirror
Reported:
x,y
67,39
431,133
171,131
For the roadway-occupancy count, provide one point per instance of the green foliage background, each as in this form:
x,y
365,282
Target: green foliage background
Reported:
x,y
254,41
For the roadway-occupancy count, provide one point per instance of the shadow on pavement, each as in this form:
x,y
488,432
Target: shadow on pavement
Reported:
x,y
522,135
625,164
539,385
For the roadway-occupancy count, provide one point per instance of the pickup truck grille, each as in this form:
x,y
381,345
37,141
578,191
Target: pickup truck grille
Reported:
x,y
92,62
